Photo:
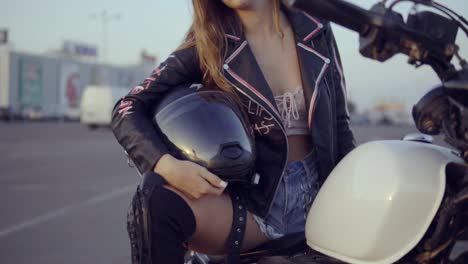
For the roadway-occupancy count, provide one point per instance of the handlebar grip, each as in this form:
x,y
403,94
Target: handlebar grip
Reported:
x,y
340,12
345,14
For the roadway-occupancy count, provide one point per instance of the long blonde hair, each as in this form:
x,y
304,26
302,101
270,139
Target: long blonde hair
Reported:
x,y
210,21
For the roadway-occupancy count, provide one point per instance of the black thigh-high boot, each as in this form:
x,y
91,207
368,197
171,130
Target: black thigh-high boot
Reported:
x,y
172,224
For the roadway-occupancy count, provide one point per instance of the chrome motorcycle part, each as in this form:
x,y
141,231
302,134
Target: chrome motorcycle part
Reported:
x,y
430,111
419,138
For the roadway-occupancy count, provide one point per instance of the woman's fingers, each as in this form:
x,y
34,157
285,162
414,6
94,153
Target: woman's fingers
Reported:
x,y
213,179
195,180
210,189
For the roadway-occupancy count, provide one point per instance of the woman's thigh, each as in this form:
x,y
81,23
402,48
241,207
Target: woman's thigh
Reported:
x,y
213,215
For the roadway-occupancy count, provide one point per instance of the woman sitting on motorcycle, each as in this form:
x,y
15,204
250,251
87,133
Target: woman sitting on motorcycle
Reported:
x,y
284,66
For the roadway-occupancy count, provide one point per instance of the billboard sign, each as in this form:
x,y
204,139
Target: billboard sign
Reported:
x,y
79,49
70,89
30,81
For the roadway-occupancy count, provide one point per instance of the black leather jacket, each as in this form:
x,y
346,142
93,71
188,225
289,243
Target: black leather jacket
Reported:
x,y
324,91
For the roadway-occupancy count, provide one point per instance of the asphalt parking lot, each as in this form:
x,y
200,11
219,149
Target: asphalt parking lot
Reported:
x,y
65,191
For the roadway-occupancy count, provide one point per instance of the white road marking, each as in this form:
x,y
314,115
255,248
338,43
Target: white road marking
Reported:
x,y
64,210
30,187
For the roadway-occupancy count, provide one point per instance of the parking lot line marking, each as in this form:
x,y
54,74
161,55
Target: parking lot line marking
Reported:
x,y
64,210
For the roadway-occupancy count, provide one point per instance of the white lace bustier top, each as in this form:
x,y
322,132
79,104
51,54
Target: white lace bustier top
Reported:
x,y
291,106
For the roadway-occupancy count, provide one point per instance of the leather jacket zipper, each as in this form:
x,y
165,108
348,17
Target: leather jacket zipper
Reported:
x,y
284,135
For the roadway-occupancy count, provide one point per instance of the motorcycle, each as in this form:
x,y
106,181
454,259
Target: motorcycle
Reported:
x,y
391,201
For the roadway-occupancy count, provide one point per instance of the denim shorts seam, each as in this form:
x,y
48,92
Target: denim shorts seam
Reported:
x,y
298,174
269,231
306,168
283,217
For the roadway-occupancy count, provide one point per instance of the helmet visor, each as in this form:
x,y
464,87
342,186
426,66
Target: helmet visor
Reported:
x,y
201,123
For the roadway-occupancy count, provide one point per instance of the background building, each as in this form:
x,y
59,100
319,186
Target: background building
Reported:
x,y
51,85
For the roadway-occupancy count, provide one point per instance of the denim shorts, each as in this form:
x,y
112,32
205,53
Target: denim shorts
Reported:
x,y
293,199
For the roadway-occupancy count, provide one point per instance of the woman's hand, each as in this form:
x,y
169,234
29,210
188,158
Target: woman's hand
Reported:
x,y
189,177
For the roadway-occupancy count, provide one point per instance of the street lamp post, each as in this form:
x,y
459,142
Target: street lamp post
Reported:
x,y
105,18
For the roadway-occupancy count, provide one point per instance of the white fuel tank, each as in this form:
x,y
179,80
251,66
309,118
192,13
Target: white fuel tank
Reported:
x,y
379,201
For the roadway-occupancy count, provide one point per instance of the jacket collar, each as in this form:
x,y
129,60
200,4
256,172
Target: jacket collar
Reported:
x,y
304,25
243,71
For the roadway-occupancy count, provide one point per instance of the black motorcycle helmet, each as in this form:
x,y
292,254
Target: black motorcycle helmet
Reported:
x,y
205,126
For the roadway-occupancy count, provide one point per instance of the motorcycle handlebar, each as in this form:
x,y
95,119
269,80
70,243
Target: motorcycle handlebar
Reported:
x,y
342,13
345,14
359,19
390,24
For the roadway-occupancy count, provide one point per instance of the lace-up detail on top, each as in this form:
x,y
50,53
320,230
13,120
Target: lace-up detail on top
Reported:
x,y
291,106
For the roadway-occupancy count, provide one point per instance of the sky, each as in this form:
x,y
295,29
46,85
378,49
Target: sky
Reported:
x,y
158,26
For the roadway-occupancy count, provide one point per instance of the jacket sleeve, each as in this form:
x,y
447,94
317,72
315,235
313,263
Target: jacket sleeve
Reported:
x,y
346,141
132,115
